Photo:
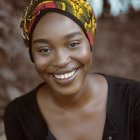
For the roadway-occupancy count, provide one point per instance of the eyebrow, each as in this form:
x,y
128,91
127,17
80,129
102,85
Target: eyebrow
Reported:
x,y
73,34
45,41
68,36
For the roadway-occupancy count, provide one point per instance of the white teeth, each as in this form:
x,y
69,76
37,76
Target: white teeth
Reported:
x,y
64,76
69,74
58,76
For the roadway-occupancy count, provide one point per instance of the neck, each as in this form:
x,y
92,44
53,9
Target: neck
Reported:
x,y
76,100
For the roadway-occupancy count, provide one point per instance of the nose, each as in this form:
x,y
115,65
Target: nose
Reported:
x,y
61,59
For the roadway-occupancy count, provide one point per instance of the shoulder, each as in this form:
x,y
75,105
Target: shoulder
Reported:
x,y
124,83
123,91
125,96
22,116
118,86
116,83
17,106
22,104
121,80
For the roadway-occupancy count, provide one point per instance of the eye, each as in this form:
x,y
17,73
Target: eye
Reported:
x,y
74,44
44,50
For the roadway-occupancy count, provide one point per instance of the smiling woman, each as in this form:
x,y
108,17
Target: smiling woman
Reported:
x,y
57,58
60,36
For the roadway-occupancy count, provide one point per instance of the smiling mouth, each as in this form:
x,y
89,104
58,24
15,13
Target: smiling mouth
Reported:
x,y
65,75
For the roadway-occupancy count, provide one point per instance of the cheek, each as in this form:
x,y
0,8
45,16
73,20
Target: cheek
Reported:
x,y
84,56
40,67
41,64
86,59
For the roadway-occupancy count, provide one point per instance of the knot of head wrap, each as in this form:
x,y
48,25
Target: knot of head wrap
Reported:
x,y
78,10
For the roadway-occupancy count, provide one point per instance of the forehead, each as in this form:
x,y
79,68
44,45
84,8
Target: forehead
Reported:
x,y
55,24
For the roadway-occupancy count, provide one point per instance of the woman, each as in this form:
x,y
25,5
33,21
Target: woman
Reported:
x,y
72,103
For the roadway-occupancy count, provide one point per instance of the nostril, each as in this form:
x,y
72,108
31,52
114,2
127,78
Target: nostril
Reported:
x,y
61,59
61,62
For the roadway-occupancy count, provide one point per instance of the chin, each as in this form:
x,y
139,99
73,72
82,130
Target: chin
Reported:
x,y
68,90
67,86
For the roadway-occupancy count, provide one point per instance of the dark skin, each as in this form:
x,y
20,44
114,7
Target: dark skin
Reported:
x,y
72,100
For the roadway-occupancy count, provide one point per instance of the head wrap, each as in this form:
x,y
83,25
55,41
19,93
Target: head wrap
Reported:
x,y
78,10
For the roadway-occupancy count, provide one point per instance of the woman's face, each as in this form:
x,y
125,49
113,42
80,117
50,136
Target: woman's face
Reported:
x,y
61,53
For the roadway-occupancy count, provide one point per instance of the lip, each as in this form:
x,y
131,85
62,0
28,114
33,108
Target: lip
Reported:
x,y
65,80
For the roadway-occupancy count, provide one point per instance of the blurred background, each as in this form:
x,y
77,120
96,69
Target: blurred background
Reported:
x,y
116,50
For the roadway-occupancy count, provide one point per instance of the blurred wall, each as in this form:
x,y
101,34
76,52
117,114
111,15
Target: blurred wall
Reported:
x,y
117,46
116,51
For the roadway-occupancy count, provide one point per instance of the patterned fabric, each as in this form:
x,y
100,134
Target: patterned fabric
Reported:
x,y
79,9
